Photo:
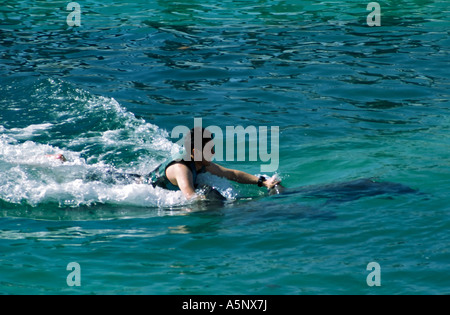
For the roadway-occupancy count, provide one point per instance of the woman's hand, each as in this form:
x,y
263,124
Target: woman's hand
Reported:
x,y
271,182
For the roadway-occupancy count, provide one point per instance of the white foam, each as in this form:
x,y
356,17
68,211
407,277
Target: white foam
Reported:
x,y
29,131
60,183
77,193
28,175
220,184
31,153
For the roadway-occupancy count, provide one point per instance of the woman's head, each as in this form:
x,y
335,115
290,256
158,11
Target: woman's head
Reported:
x,y
199,143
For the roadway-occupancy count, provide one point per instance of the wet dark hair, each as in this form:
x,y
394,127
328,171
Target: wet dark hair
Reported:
x,y
199,137
201,133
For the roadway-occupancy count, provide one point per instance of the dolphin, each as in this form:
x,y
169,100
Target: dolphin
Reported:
x,y
346,191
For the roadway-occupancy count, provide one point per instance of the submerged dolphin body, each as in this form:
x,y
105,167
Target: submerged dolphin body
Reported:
x,y
346,191
332,193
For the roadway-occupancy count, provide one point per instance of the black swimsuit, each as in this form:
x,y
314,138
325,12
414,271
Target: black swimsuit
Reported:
x,y
159,178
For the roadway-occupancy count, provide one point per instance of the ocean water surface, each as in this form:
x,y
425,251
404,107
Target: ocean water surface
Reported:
x,y
352,103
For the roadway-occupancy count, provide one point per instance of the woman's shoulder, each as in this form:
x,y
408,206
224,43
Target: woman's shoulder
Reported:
x,y
178,165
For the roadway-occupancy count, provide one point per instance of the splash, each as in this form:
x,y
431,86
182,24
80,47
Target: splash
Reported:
x,y
96,135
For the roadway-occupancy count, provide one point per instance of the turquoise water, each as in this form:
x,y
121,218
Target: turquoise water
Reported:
x,y
351,102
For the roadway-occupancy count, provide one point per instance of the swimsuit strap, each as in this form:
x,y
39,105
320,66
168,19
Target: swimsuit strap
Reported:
x,y
158,176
